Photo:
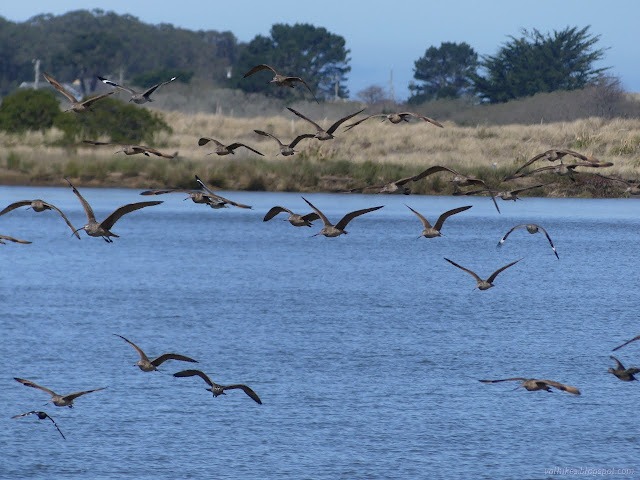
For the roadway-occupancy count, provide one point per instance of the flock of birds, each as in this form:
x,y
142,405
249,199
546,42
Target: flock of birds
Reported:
x,y
207,196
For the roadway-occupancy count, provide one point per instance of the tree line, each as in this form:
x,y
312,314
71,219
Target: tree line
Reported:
x,y
83,44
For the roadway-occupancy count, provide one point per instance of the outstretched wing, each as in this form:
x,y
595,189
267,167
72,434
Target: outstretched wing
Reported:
x,y
108,222
351,215
318,127
75,395
265,134
519,379
275,211
55,84
11,239
150,90
478,279
15,205
333,127
349,127
246,390
29,383
626,343
171,356
64,217
137,349
93,100
300,137
87,208
447,214
205,140
424,221
191,373
114,84
422,117
257,68
508,233
497,272
324,219
560,386
233,146
550,242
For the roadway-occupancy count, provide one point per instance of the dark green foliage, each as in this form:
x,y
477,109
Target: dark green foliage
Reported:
x,y
445,72
82,44
149,79
536,63
28,109
302,50
122,122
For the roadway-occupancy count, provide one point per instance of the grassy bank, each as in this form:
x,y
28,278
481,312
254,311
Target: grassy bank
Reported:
x,y
372,152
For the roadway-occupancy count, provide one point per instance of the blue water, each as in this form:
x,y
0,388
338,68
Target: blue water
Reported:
x,y
365,349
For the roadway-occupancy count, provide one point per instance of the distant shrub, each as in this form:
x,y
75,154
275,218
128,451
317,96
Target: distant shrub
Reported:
x,y
28,109
121,122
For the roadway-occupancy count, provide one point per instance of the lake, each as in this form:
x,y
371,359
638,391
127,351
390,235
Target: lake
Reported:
x,y
365,349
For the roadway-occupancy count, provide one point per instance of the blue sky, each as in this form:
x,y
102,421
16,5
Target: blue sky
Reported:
x,y
385,36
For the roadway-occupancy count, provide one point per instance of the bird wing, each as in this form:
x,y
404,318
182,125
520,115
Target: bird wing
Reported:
x,y
168,190
220,199
205,186
497,272
508,233
465,269
56,425
300,137
54,83
64,217
515,192
171,356
530,161
275,211
246,390
158,153
93,100
618,364
311,217
627,343
28,413
432,170
334,127
424,221
29,383
150,90
349,127
15,205
550,242
11,239
422,117
87,208
447,214
318,127
205,140
471,192
75,395
351,215
92,142
560,386
298,79
108,222
324,219
519,379
138,349
233,146
614,179
191,373
257,68
114,84
260,132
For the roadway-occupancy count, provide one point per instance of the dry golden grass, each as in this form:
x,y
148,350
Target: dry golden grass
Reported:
x,y
391,149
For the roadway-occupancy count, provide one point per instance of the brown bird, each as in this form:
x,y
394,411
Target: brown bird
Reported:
x,y
327,134
626,343
11,239
95,229
222,149
632,188
286,150
76,105
396,118
205,196
58,400
562,169
218,389
624,374
505,194
280,80
399,186
147,365
532,384
129,149
432,232
41,416
483,284
330,230
554,155
40,206
294,219
136,97
531,228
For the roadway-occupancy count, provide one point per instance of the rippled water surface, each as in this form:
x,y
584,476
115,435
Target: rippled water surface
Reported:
x,y
365,349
